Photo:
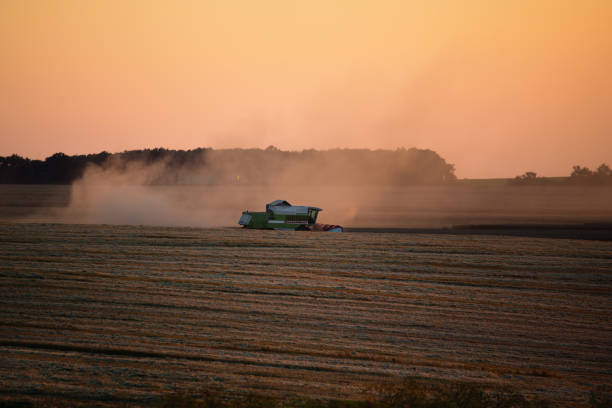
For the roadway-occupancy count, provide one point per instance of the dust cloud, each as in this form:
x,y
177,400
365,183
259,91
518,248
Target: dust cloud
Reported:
x,y
214,192
211,195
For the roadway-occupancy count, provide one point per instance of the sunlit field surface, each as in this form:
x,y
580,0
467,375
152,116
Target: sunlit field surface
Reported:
x,y
107,314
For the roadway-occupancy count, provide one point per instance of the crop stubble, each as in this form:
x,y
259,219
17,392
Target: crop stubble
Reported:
x,y
104,313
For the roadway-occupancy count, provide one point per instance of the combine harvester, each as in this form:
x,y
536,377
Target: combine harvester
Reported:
x,y
280,215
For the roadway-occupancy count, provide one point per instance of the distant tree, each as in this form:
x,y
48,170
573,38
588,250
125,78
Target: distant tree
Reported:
x,y
581,172
61,168
99,158
603,175
526,178
584,176
604,171
530,175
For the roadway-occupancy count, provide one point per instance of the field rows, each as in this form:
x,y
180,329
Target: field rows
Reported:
x,y
109,313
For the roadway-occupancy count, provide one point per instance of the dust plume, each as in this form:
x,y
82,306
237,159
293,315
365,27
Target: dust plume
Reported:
x,y
359,188
206,187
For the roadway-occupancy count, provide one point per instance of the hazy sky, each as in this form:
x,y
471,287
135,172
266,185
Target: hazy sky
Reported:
x,y
496,87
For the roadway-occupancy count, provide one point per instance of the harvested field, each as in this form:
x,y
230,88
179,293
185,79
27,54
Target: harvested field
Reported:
x,y
103,314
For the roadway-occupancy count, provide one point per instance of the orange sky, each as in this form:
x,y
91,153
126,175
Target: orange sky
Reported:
x,y
496,87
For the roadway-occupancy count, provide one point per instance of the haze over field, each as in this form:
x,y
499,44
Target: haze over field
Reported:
x,y
497,88
404,188
463,148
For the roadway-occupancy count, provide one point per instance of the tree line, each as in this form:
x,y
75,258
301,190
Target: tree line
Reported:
x,y
241,166
579,176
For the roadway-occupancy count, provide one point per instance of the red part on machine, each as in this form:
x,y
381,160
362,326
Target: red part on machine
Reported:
x,y
326,227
